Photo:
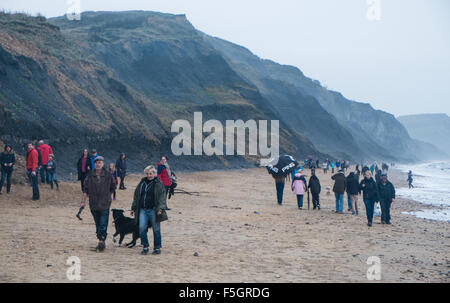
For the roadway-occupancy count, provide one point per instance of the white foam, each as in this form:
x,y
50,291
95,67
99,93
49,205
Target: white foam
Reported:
x,y
431,187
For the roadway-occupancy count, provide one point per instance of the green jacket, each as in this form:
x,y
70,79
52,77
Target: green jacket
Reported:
x,y
159,198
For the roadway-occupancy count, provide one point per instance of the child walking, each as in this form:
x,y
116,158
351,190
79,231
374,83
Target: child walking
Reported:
x,y
51,171
113,171
299,188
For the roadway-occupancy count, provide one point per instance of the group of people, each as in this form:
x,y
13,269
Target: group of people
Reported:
x,y
379,190
149,204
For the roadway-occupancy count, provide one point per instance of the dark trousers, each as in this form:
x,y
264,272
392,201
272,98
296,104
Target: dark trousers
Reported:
x,y
44,175
315,199
385,211
101,218
122,179
83,177
370,206
300,201
6,174
280,189
34,183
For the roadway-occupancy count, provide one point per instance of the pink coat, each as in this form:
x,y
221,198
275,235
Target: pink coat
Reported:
x,y
299,187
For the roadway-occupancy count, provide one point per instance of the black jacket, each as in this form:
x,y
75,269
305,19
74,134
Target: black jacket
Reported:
x,y
6,158
386,191
314,185
352,184
88,166
121,166
370,189
340,183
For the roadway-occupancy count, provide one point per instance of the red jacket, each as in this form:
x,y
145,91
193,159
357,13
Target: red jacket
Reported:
x,y
163,175
32,160
46,150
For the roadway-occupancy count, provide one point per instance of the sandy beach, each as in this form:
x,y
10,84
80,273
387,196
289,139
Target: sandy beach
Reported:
x,y
235,226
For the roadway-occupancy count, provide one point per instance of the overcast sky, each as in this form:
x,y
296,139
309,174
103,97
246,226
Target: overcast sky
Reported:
x,y
400,64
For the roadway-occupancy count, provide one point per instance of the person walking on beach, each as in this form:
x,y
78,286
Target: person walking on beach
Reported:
x,y
7,162
386,191
148,208
332,167
121,167
370,195
164,174
314,186
45,150
340,184
99,186
410,180
51,171
299,188
113,172
93,156
32,166
352,192
83,167
372,168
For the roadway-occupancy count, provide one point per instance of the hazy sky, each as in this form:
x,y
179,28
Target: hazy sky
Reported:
x,y
400,64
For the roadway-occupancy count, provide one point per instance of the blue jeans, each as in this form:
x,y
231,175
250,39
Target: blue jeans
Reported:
x,y
300,200
280,189
147,216
370,205
101,218
6,175
34,183
339,202
349,201
52,178
44,175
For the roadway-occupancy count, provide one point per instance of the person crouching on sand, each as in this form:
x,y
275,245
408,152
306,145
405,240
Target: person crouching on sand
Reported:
x,y
99,186
299,188
387,195
149,208
370,195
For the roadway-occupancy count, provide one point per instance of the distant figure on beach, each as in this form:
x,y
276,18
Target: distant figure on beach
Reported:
x,y
45,150
121,168
99,186
83,167
340,184
51,171
370,195
410,180
353,192
112,170
332,167
315,187
299,188
32,168
7,162
148,209
386,191
93,156
372,169
164,174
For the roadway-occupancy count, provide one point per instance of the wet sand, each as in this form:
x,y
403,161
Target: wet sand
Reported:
x,y
235,226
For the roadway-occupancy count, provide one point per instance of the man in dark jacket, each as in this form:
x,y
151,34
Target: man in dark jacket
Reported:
x,y
99,187
314,186
149,208
340,184
7,161
352,192
386,192
121,168
370,195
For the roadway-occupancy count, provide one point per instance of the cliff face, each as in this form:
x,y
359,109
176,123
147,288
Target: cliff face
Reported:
x,y
116,81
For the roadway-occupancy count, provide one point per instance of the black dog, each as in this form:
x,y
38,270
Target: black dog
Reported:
x,y
124,226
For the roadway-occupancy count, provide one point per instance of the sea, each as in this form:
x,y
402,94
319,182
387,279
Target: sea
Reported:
x,y
431,187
